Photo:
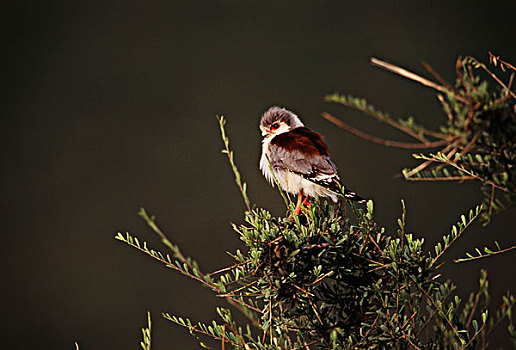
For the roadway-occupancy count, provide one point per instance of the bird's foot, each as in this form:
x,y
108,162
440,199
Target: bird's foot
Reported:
x,y
300,204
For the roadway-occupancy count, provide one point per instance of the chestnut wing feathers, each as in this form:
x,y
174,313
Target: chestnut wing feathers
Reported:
x,y
303,152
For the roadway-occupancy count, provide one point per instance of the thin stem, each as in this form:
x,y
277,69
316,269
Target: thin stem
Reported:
x,y
425,164
362,105
439,310
473,309
454,239
436,75
147,333
447,178
228,268
412,76
486,255
496,59
483,66
469,173
229,152
383,142
150,220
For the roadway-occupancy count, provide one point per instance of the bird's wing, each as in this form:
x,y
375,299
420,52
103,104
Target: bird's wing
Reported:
x,y
303,152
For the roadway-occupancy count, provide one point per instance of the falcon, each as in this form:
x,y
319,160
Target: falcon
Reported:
x,y
299,159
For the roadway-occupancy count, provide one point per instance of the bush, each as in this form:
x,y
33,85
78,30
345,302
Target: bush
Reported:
x,y
333,278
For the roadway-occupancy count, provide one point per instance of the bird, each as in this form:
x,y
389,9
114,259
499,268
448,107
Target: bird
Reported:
x,y
299,159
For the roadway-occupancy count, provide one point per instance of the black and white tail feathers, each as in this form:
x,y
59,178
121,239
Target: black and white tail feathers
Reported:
x,y
333,183
353,196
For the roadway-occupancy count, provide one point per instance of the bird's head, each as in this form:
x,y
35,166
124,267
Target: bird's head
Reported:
x,y
277,120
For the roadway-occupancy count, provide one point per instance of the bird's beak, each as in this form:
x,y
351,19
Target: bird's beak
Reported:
x,y
266,133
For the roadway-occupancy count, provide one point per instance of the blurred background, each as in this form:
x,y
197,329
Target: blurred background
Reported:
x,y
109,106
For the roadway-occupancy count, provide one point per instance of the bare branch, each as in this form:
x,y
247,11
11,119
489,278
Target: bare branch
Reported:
x,y
412,76
383,142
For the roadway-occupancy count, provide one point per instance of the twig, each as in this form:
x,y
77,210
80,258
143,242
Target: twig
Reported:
x,y
448,178
368,331
195,329
384,142
423,165
410,75
228,268
150,220
446,108
496,59
437,76
491,200
473,309
509,84
223,337
411,343
470,143
474,336
239,304
470,173
320,278
147,333
443,315
459,233
483,66
408,320
238,335
486,255
229,152
361,105
427,322
239,289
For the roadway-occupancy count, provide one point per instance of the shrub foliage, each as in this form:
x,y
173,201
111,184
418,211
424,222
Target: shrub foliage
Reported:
x,y
477,138
333,278
326,281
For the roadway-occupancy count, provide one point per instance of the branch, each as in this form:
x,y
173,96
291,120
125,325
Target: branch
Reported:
x,y
441,312
463,225
229,152
197,274
503,65
151,222
384,142
442,158
412,76
488,254
146,332
362,105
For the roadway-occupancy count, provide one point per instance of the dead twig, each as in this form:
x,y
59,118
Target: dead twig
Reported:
x,y
412,76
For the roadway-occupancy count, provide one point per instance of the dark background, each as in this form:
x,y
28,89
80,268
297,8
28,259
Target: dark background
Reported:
x,y
111,106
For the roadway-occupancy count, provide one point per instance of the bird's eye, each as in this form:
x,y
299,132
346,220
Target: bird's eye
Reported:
x,y
275,126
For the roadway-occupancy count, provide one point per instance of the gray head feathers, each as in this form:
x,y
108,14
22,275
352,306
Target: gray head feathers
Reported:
x,y
278,114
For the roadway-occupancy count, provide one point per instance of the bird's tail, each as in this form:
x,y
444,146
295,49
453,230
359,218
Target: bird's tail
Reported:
x,y
353,196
